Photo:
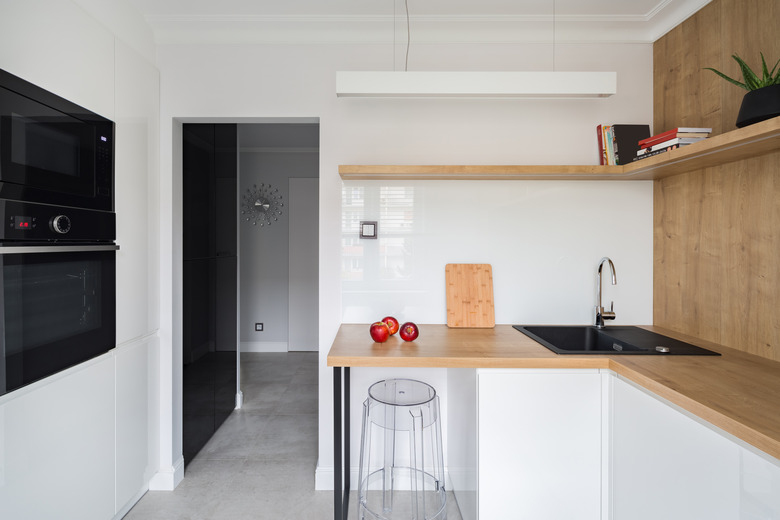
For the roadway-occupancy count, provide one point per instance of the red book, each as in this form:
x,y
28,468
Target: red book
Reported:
x,y
671,134
601,145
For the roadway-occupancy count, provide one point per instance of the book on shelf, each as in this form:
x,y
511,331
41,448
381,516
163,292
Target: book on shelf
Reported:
x,y
618,143
605,140
685,132
626,139
609,145
602,152
664,144
659,151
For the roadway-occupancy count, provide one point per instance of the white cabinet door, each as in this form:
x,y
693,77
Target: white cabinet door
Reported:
x,y
57,446
668,465
540,444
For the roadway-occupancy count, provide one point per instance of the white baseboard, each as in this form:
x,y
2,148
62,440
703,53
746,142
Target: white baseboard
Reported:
x,y
323,478
168,478
263,346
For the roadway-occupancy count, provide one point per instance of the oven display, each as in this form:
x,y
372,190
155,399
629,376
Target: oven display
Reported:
x,y
24,222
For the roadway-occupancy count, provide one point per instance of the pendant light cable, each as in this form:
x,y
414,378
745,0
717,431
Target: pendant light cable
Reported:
x,y
553,53
408,36
394,32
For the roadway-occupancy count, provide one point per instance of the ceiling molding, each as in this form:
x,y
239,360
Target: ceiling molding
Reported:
x,y
380,29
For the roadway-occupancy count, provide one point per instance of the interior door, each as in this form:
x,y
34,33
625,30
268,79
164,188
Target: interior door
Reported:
x,y
303,300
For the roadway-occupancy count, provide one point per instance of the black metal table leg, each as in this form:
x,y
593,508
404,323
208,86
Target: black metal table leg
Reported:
x,y
338,503
347,466
341,464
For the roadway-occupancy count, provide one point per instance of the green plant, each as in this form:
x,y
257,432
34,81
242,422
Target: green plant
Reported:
x,y
752,81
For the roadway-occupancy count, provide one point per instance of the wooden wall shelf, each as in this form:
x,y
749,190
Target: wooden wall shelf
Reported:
x,y
758,139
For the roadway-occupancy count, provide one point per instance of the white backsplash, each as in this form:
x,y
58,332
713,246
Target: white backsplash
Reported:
x,y
544,240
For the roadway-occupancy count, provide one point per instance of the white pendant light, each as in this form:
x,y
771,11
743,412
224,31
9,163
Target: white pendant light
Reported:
x,y
476,84
506,84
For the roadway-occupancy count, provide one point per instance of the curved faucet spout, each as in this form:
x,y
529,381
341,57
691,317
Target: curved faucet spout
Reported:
x,y
601,314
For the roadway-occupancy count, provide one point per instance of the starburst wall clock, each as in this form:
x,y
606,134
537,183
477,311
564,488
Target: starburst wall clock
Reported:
x,y
262,205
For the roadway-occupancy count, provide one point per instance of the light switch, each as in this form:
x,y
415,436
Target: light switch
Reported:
x,y
368,229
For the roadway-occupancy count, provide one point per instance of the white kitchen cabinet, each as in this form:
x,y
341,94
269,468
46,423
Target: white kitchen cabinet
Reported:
x,y
540,444
587,444
57,454
668,465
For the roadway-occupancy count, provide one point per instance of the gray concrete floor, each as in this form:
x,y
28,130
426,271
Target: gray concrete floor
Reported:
x,y
260,463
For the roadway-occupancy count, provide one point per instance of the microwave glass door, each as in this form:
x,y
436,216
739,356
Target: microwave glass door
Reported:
x,y
58,310
45,149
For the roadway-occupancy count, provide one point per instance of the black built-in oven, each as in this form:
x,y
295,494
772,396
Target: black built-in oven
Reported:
x,y
57,289
53,151
57,241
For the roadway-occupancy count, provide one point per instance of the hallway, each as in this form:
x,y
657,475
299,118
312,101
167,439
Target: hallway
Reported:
x,y
260,463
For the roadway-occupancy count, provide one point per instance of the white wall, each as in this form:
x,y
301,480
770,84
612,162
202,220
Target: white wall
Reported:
x,y
256,81
100,60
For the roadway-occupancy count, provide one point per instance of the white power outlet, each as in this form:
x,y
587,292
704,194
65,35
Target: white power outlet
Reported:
x,y
258,327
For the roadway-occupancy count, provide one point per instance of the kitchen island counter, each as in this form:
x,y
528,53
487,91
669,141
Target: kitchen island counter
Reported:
x,y
737,392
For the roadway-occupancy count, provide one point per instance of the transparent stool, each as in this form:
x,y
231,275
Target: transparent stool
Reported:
x,y
401,462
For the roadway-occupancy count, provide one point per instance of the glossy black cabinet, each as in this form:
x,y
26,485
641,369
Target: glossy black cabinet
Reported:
x,y
210,200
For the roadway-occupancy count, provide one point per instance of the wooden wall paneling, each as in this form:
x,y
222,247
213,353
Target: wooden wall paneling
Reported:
x,y
659,99
716,245
687,260
749,28
667,63
668,252
684,93
717,229
751,274
708,111
711,212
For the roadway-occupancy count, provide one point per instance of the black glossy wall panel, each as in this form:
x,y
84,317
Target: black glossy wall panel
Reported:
x,y
210,278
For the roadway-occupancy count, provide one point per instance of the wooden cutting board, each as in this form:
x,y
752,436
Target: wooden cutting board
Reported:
x,y
470,296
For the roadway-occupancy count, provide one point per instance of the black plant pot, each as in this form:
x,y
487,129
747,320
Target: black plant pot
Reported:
x,y
758,105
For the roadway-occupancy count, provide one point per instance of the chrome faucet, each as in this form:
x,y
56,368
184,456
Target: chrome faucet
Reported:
x,y
601,314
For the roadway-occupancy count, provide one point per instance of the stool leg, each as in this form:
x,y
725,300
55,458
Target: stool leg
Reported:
x,y
438,462
365,460
438,456
388,477
417,465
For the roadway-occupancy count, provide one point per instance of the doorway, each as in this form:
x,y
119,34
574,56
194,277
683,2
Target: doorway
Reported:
x,y
250,257
278,166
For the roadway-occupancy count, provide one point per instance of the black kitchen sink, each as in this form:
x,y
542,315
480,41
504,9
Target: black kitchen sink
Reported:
x,y
584,339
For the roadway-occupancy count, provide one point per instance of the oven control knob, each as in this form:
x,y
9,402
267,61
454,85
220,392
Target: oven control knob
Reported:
x,y
60,224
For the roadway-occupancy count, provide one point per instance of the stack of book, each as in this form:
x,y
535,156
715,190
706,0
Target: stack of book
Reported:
x,y
669,140
618,143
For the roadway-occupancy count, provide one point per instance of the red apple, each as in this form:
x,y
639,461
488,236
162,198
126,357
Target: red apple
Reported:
x,y
379,331
392,324
409,331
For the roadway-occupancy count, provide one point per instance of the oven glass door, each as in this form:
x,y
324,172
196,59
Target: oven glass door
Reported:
x,y
58,309
45,149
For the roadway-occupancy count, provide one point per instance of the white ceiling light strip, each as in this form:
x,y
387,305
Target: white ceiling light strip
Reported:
x,y
520,84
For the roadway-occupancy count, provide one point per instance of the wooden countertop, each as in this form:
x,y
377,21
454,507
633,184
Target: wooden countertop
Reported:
x,y
736,392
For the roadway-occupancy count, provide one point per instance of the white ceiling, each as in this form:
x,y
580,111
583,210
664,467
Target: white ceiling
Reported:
x,y
181,21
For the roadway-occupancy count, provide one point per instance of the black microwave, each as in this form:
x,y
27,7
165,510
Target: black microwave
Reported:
x,y
53,151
